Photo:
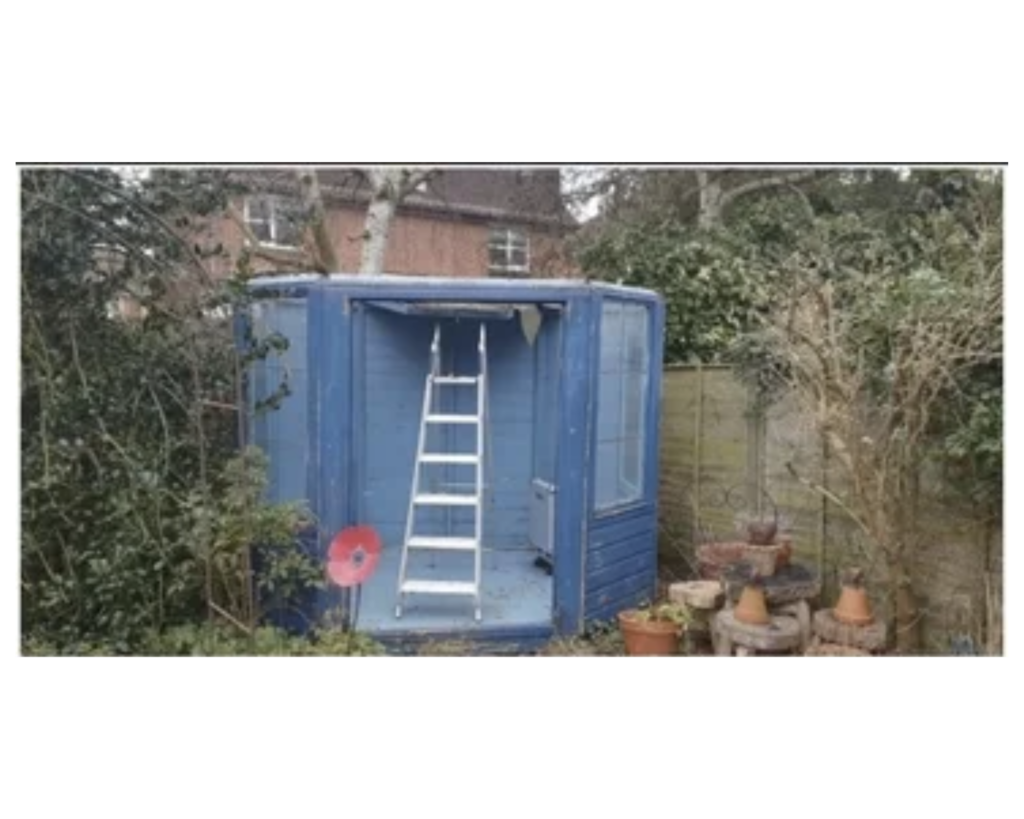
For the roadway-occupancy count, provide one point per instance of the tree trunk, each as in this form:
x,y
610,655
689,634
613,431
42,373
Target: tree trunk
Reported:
x,y
709,211
389,187
905,613
327,259
378,223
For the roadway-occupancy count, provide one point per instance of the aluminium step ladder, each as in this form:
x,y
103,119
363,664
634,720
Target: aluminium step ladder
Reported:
x,y
474,501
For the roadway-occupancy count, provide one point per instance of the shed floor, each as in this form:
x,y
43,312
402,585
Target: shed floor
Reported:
x,y
515,593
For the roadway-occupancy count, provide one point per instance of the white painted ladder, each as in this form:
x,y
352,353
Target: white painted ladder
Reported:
x,y
474,501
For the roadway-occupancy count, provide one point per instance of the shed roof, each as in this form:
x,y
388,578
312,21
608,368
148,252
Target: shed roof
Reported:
x,y
442,288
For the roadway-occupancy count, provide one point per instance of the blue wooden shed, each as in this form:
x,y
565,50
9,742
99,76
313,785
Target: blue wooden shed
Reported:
x,y
569,440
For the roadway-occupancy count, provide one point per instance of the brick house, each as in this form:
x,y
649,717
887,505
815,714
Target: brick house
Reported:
x,y
460,222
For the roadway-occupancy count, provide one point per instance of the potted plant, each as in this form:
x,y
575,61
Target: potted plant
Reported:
x,y
654,630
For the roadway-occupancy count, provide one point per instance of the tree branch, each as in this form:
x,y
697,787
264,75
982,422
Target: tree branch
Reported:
x,y
298,260
317,216
730,195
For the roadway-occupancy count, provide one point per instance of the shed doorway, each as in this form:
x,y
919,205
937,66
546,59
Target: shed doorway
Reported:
x,y
392,356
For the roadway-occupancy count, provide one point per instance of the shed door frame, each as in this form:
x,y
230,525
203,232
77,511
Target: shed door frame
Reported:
x,y
568,506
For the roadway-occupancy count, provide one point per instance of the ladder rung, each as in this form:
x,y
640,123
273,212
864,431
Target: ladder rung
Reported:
x,y
443,542
456,380
449,458
446,500
439,587
453,419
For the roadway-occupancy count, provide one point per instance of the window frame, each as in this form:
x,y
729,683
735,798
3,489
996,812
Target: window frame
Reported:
x,y
507,245
276,206
635,444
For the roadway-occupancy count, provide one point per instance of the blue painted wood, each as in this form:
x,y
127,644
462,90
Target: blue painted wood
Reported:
x,y
652,457
395,355
614,553
609,529
515,593
635,562
394,360
335,411
546,409
471,290
358,445
434,288
621,553
364,393
620,547
511,640
575,489
626,592
314,346
282,432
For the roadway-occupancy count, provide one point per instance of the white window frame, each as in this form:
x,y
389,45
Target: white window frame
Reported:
x,y
273,223
507,239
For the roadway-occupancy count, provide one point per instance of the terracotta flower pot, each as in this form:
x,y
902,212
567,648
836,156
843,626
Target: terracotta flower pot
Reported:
x,y
853,607
649,638
714,557
752,608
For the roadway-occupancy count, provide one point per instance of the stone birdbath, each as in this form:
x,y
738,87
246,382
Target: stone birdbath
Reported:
x,y
704,598
787,592
778,635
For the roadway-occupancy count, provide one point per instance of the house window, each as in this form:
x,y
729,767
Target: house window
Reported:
x,y
622,404
508,252
274,220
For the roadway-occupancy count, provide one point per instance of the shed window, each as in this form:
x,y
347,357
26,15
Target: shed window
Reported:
x,y
508,252
274,220
622,404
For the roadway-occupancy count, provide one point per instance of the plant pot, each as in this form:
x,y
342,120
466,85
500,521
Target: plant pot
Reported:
x,y
649,638
713,557
853,607
752,608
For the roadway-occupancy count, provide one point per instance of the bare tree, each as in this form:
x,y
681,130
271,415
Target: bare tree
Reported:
x,y
702,196
868,358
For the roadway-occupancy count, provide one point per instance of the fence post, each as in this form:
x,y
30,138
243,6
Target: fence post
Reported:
x,y
756,435
823,522
698,434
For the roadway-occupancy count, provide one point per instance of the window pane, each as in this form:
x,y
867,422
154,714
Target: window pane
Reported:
x,y
288,230
498,257
288,222
635,320
261,230
611,337
519,258
631,472
606,490
609,402
258,208
622,404
633,404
